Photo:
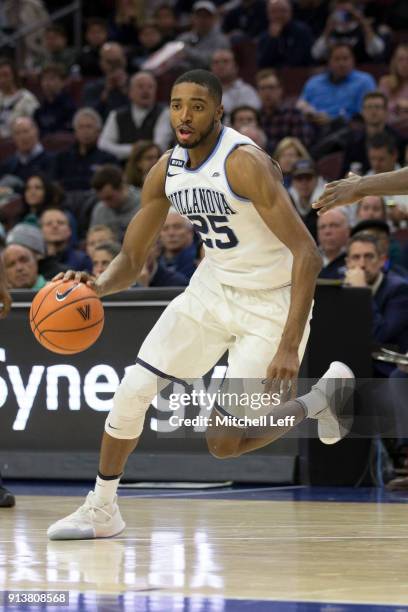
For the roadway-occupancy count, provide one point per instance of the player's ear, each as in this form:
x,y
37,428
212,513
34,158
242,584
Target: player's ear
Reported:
x,y
219,112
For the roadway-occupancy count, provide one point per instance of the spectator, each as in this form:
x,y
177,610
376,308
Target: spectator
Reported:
x,y
279,118
178,247
375,117
312,12
96,35
347,23
255,133
395,84
333,232
286,42
245,20
382,157
155,274
75,167
29,12
243,116
306,187
30,237
57,234
57,108
21,268
118,202
166,20
388,245
144,118
371,207
338,92
150,41
102,256
142,158
96,235
287,153
390,294
38,195
30,156
109,92
15,101
56,48
123,25
235,92
204,37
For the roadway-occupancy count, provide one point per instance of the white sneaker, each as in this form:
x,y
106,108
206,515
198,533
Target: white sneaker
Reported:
x,y
89,521
336,419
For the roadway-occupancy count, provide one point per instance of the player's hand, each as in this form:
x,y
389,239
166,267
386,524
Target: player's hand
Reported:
x,y
78,277
338,193
282,374
5,300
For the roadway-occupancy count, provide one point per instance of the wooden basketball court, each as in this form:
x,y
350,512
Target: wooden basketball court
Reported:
x,y
255,549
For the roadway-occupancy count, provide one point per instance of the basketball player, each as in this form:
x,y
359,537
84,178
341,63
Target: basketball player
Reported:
x,y
6,498
354,187
251,295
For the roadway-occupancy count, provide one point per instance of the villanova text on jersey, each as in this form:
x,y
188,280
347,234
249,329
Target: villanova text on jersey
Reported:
x,y
241,250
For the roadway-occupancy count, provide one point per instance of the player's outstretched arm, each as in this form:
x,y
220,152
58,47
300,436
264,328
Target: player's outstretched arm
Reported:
x,y
353,188
252,175
5,299
140,235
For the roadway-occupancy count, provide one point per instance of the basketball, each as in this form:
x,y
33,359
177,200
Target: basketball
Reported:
x,y
66,317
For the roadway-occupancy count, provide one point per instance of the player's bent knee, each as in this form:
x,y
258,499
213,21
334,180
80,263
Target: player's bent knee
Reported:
x,y
221,448
130,403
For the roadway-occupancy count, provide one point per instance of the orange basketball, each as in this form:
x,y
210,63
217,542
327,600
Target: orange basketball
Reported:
x,y
66,317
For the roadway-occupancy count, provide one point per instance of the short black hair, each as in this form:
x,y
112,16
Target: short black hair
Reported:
x,y
367,238
107,175
245,107
383,140
206,79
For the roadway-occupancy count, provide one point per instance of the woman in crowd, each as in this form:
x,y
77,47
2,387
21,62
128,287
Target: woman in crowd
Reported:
x,y
15,101
395,84
143,157
102,256
38,195
287,153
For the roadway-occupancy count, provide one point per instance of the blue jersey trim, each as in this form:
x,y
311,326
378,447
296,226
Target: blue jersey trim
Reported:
x,y
159,373
210,155
235,146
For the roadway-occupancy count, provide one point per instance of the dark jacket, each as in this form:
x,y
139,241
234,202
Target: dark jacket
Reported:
x,y
335,269
42,163
290,48
55,116
75,171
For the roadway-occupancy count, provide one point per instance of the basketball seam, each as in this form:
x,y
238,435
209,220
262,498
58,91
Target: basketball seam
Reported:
x,y
42,301
73,351
66,331
81,299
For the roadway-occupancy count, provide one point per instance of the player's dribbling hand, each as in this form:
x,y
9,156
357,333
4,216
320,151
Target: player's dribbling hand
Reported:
x,y
78,277
282,373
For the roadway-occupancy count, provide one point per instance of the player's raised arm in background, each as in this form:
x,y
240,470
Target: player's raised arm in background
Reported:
x,y
252,175
5,299
353,188
140,236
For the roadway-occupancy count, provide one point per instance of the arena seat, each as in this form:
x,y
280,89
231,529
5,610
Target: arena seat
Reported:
x,y
60,141
329,166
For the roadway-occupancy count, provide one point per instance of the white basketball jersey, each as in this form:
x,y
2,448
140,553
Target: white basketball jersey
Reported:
x,y
241,249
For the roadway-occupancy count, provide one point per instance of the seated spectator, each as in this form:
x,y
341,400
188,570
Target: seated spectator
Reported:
x,y
118,202
382,157
179,250
75,167
204,37
375,116
30,156
57,108
390,294
333,232
247,19
143,118
31,237
142,158
38,195
395,84
255,133
286,42
150,41
346,23
21,268
15,101
279,118
109,92
57,234
124,22
305,189
371,207
235,92
96,35
389,246
22,18
96,235
102,256
243,116
166,20
155,274
287,153
56,48
338,92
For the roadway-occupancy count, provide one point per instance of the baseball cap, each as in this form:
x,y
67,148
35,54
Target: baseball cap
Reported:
x,y
304,166
28,236
369,224
205,5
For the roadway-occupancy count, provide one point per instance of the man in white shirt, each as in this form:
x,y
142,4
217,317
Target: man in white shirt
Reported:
x,y
143,119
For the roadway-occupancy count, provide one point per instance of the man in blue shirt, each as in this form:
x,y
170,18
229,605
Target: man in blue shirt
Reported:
x,y
338,92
